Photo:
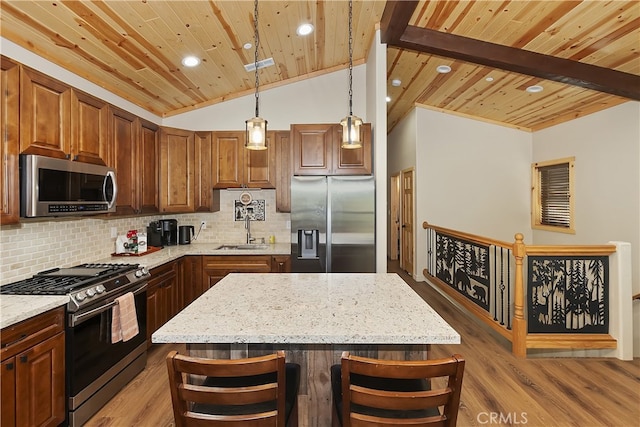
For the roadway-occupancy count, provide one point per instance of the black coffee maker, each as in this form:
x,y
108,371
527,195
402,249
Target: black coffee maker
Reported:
x,y
169,231
154,234
163,232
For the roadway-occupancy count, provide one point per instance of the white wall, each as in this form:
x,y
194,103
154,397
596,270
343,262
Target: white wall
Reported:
x,y
473,176
401,145
470,176
606,146
377,111
322,99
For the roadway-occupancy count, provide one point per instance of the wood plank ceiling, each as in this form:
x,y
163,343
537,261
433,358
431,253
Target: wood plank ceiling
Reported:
x,y
134,48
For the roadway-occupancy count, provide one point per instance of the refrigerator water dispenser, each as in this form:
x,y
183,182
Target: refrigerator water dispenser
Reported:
x,y
308,244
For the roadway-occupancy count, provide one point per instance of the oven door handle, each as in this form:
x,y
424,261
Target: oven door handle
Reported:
x,y
77,318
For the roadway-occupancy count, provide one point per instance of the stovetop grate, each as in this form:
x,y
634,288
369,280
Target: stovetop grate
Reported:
x,y
50,282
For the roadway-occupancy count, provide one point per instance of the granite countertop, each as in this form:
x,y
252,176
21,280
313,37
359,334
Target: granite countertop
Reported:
x,y
309,308
170,253
16,308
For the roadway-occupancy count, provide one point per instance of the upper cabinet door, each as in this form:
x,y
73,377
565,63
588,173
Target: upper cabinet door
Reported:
x,y
282,149
9,146
228,159
203,172
312,149
147,161
45,106
352,161
317,151
124,160
89,128
259,165
177,166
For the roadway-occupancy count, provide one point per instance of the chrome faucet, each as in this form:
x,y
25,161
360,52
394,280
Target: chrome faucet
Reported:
x,y
247,225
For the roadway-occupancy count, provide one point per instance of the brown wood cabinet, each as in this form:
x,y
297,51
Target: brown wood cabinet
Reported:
x,y
215,267
164,296
123,136
148,200
45,115
233,166
9,147
192,278
32,375
58,121
206,199
177,164
89,128
282,149
281,264
317,151
134,145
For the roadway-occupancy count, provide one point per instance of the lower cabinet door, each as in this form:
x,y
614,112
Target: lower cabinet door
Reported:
x,y
8,392
40,384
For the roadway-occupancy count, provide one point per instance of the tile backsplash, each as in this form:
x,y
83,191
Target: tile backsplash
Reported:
x,y
37,245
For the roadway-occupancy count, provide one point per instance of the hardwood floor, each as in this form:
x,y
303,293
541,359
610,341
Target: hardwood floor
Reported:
x,y
498,389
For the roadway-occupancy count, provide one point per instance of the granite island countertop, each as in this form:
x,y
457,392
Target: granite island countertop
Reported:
x,y
16,308
309,308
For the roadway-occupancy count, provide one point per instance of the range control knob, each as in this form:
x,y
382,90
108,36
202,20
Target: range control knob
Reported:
x,y
81,296
91,292
141,272
100,289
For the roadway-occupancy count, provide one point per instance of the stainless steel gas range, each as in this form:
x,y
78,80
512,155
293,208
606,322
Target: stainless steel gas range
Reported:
x,y
96,368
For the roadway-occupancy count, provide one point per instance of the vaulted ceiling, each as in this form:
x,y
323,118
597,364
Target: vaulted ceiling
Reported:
x,y
584,54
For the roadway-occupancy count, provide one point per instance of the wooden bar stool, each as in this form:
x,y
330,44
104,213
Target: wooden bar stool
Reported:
x,y
254,391
368,392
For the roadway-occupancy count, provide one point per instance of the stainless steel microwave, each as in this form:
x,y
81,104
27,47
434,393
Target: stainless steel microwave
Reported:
x,y
57,187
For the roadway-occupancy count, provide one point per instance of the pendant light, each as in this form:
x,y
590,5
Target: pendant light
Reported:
x,y
256,128
351,124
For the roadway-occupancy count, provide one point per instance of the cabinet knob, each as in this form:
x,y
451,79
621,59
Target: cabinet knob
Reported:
x,y
67,156
75,157
9,366
24,359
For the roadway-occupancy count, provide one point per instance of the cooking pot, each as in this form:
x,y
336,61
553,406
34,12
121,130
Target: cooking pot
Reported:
x,y
185,234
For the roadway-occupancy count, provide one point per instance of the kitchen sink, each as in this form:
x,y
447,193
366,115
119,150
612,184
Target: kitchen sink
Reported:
x,y
242,247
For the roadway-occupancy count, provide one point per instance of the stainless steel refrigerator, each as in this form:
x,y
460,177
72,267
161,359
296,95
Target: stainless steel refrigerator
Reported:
x,y
333,224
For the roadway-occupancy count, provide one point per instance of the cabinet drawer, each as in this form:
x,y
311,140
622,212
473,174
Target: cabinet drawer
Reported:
x,y
238,264
21,336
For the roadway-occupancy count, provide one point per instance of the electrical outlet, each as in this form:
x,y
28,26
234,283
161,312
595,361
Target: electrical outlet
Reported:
x,y
203,225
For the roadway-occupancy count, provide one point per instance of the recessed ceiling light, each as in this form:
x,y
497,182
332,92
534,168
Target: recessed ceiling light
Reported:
x,y
489,79
396,82
304,29
190,61
247,46
388,99
443,69
534,89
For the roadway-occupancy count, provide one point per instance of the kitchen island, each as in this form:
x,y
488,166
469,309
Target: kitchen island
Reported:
x,y
314,317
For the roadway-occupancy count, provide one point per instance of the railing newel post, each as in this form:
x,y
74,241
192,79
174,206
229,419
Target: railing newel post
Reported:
x,y
519,342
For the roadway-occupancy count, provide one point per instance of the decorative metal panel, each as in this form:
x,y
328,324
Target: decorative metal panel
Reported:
x,y
464,266
568,294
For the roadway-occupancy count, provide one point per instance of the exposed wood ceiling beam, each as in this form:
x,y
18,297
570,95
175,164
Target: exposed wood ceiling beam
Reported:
x,y
397,14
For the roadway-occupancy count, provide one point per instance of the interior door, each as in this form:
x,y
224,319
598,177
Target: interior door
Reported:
x,y
394,217
406,255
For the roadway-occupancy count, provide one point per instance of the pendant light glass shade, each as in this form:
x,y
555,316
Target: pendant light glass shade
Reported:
x,y
256,128
256,134
351,124
351,132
